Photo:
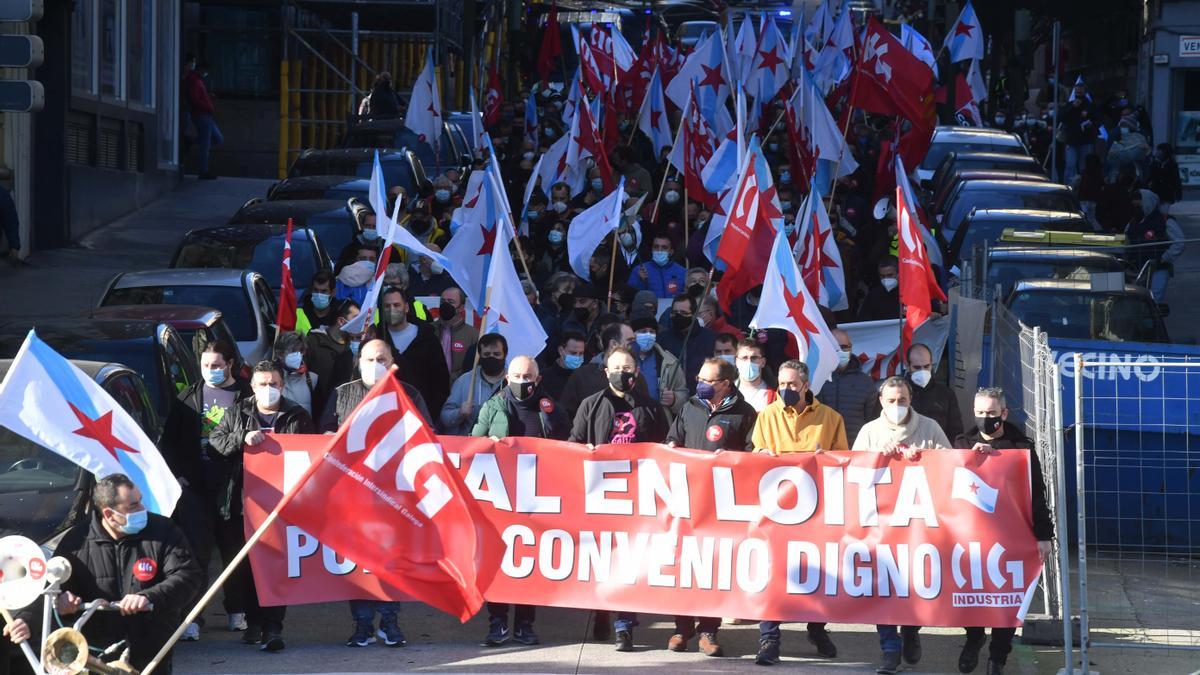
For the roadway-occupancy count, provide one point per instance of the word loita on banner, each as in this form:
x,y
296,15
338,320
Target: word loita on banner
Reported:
x,y
944,540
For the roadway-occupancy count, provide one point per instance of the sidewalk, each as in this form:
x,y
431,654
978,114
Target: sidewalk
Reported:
x,y
69,280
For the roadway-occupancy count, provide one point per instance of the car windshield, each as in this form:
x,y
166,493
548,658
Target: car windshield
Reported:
x,y
1040,200
231,300
1082,315
261,256
938,151
26,466
1008,272
991,229
335,232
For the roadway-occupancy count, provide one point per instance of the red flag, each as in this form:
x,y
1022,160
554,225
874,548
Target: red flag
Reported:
x,y
492,98
918,285
587,143
966,110
750,229
385,496
891,81
699,144
551,46
286,318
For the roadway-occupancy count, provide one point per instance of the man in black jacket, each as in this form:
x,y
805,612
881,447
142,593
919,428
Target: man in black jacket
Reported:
x,y
992,430
590,378
415,349
139,561
932,399
716,418
620,413
266,411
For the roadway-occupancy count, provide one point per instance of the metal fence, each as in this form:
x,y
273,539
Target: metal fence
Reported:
x,y
1137,488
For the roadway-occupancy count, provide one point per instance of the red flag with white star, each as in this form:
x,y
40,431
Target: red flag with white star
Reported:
x,y
286,318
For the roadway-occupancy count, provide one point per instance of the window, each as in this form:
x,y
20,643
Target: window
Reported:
x,y
110,52
83,47
139,51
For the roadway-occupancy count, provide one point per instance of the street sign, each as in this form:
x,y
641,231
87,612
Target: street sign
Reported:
x,y
21,51
21,96
20,10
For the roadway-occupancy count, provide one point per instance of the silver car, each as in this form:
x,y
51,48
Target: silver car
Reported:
x,y
243,297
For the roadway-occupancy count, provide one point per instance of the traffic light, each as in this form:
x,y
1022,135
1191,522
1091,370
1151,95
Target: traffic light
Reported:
x,y
21,51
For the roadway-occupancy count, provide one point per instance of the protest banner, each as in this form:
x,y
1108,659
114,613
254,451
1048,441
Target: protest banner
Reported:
x,y
945,540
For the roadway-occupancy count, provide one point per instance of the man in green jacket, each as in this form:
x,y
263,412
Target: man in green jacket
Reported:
x,y
520,409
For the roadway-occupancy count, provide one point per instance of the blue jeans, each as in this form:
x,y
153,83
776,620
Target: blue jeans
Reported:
x,y
625,621
889,637
769,630
1158,283
363,611
1074,160
207,135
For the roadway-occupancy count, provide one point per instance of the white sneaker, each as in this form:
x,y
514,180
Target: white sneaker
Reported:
x,y
191,633
237,622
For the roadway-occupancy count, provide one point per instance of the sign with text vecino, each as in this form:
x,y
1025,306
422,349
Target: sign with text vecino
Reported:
x,y
946,540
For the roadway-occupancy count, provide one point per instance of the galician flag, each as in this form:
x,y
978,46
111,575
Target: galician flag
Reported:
x,y
49,401
969,487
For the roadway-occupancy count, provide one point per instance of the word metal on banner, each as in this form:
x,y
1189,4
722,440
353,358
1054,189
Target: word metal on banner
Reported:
x,y
946,540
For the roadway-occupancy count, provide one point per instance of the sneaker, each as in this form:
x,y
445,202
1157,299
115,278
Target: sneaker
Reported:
x,y
678,643
237,621
889,664
272,642
824,645
498,633
968,658
624,641
363,635
525,635
191,633
391,635
912,644
709,645
252,635
768,653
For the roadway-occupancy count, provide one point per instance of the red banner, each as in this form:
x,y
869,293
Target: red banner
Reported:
x,y
945,540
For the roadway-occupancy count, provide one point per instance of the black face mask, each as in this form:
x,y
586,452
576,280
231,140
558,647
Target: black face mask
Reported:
x,y
582,314
680,323
621,381
447,311
491,365
989,424
695,290
522,390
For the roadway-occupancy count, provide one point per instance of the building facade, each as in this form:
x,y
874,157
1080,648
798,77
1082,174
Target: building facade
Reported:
x,y
1169,79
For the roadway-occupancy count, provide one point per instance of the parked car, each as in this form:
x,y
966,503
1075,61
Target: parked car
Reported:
x,y
1072,309
152,349
244,298
198,326
41,492
391,134
255,247
300,188
976,195
400,167
966,161
989,225
937,198
1005,265
947,139
333,221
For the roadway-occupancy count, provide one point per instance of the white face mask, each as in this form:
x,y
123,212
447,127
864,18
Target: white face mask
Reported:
x,y
890,283
895,413
268,395
371,371
921,378
843,358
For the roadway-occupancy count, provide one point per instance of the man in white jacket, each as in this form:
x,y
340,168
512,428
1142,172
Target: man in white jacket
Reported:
x,y
899,430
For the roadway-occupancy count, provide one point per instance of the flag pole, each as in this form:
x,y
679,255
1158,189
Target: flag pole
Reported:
x,y
845,129
686,262
487,307
657,200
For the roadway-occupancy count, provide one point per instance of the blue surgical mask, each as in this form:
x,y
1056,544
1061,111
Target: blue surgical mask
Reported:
x,y
789,228
671,196
321,300
555,236
785,205
773,147
533,214
549,131
354,345
785,177
597,184
134,522
370,234
645,341
214,377
572,361
442,195
661,257
293,360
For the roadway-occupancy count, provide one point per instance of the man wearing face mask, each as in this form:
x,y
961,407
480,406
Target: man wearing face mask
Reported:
x,y
202,472
456,335
245,425
883,299
316,309
138,560
570,357
589,378
716,418
330,352
899,430
523,408
620,413
751,364
586,309
659,369
662,276
299,384
428,277
993,431
415,348
932,399
354,280
690,350
851,391
796,422
476,386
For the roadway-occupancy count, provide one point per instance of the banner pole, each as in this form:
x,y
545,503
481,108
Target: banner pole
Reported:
x,y
661,186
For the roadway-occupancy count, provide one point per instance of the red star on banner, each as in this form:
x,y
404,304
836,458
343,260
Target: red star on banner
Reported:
x,y
974,488
100,430
770,59
654,117
489,240
712,78
963,28
795,305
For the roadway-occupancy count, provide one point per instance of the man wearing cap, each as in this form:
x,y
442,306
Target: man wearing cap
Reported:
x,y
660,370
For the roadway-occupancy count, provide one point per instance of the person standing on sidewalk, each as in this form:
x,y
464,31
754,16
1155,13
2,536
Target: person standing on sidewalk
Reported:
x,y
201,109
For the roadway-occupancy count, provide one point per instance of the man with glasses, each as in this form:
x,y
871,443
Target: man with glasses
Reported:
x,y
796,422
751,366
716,418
